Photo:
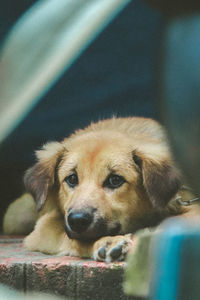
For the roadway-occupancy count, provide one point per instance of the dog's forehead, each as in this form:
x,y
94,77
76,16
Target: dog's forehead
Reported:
x,y
97,152
102,144
94,143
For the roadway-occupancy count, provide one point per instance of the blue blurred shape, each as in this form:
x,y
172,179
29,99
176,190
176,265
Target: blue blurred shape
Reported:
x,y
176,262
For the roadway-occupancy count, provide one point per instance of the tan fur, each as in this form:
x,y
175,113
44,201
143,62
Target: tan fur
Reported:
x,y
135,148
20,216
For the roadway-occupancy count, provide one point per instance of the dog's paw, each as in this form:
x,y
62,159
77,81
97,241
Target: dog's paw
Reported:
x,y
112,248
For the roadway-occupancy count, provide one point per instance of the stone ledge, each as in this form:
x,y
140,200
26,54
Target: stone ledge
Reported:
x,y
59,275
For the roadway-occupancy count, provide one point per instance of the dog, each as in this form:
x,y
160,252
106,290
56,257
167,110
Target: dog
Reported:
x,y
97,187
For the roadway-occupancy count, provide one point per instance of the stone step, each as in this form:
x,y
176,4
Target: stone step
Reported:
x,y
71,277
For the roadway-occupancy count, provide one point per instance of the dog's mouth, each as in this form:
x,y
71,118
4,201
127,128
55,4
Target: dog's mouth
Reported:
x,y
83,227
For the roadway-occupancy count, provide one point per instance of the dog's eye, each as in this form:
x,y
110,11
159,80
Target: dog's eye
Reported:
x,y
113,181
72,180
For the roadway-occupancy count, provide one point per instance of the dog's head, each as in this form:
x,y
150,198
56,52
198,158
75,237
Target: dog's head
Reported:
x,y
102,184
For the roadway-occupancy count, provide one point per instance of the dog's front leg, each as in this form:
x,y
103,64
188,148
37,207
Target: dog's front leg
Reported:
x,y
113,248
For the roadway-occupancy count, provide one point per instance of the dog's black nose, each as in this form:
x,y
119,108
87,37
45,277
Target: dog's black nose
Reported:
x,y
79,221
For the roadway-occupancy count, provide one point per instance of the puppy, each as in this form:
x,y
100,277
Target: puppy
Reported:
x,y
100,185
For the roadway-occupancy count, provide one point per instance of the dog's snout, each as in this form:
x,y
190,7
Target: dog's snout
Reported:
x,y
79,221
86,225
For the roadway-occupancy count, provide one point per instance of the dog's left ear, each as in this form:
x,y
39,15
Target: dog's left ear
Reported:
x,y
40,178
161,179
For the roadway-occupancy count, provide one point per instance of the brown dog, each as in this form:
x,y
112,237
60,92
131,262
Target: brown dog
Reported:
x,y
100,185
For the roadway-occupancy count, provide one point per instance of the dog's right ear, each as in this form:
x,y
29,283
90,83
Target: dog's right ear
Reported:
x,y
160,178
41,177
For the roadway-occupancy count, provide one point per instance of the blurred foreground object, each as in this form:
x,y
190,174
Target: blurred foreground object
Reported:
x,y
180,93
166,263
41,46
138,274
176,263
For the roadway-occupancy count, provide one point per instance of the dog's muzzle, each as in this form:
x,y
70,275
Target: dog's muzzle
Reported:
x,y
84,225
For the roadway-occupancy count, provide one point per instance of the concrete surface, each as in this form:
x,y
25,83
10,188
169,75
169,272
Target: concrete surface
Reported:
x,y
71,277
